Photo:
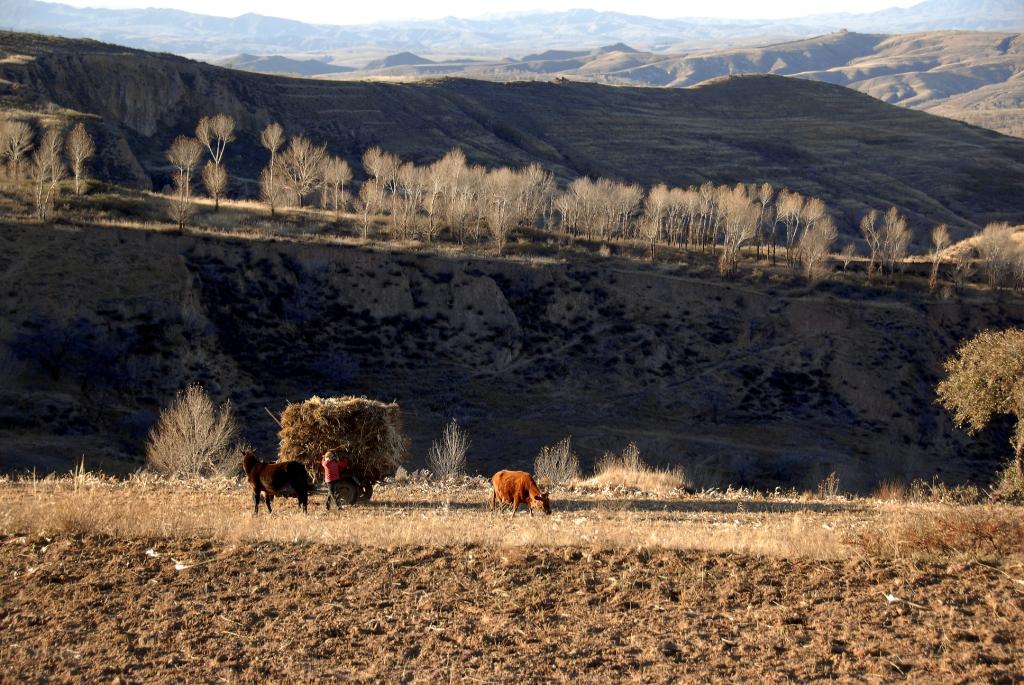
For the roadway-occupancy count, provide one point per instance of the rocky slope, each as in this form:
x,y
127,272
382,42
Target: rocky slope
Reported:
x,y
743,383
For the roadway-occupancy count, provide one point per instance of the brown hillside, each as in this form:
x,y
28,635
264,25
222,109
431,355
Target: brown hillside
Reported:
x,y
741,383
817,138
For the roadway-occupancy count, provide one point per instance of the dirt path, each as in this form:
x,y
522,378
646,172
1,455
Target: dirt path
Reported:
x,y
95,609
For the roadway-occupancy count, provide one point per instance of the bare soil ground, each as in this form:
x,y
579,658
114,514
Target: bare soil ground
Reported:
x,y
144,596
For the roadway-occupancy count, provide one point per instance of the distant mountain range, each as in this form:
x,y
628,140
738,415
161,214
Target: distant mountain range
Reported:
x,y
974,76
202,35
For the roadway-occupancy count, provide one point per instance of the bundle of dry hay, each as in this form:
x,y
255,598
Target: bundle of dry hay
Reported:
x,y
369,432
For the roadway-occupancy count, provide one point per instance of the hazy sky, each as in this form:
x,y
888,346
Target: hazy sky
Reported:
x,y
363,12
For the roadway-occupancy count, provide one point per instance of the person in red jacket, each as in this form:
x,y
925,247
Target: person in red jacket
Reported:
x,y
335,467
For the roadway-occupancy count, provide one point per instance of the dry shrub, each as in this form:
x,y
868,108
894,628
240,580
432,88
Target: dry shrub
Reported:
x,y
828,488
369,432
447,456
976,532
192,438
629,470
1009,485
938,492
891,491
557,464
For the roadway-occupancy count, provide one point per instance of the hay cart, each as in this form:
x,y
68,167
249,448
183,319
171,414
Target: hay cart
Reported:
x,y
368,432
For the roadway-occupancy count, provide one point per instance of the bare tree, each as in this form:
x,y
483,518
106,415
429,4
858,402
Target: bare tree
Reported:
x,y
184,155
382,165
215,133
79,148
940,240
654,221
815,245
47,171
895,239
537,191
872,233
790,211
15,143
456,197
998,252
434,198
336,174
847,254
301,167
739,223
407,200
215,179
271,188
369,194
499,197
765,219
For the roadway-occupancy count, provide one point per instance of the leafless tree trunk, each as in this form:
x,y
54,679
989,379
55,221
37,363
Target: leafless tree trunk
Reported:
x,y
765,195
368,198
215,178
790,210
847,255
271,138
998,252
184,155
15,143
79,148
940,240
499,189
815,245
740,219
301,167
47,171
336,174
215,133
895,239
873,236
272,191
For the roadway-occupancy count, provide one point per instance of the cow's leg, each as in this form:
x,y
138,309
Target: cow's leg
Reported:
x,y
303,500
267,496
515,506
256,500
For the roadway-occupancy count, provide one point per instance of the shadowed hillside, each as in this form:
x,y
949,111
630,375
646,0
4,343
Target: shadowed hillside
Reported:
x,y
742,383
972,76
817,138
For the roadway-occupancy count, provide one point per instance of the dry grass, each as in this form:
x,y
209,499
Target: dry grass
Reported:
x,y
628,470
973,532
423,514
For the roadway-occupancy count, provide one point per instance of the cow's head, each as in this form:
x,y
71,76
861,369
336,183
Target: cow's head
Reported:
x,y
541,502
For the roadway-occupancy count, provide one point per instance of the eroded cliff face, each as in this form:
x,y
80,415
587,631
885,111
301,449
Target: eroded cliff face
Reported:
x,y
741,383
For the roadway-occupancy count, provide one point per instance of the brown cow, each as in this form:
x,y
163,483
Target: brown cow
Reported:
x,y
287,479
515,488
